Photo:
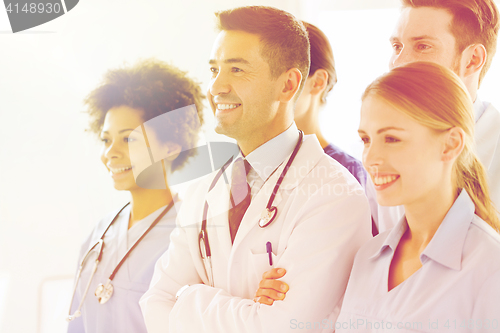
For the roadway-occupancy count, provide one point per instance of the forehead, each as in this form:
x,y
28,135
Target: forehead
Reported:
x,y
377,113
120,117
236,45
424,21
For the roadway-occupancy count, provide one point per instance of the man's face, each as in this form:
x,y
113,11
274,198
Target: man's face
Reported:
x,y
423,34
242,93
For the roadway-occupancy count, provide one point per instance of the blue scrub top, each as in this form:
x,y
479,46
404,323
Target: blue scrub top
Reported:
x,y
122,312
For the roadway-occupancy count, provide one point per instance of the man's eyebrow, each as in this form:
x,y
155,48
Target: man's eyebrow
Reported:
x,y
423,37
394,39
231,61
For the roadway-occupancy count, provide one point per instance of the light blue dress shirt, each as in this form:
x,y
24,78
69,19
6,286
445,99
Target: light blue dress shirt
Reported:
x,y
266,158
457,289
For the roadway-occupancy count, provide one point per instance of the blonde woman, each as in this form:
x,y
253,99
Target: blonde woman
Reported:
x,y
438,269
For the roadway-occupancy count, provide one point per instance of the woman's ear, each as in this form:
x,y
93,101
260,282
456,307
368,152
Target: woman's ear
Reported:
x,y
172,151
454,142
319,81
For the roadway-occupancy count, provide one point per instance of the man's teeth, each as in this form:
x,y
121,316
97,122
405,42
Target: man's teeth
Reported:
x,y
384,180
227,106
119,170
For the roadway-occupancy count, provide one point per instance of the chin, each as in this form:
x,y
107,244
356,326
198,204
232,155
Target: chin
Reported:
x,y
388,202
120,186
226,130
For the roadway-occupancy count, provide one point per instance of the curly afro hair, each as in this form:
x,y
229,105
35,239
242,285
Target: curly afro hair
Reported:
x,y
154,87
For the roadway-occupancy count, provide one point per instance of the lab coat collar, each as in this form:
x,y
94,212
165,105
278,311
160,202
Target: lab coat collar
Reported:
x,y
447,245
308,156
266,158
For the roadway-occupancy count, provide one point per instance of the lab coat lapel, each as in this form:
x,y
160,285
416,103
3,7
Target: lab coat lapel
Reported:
x,y
487,133
218,202
306,159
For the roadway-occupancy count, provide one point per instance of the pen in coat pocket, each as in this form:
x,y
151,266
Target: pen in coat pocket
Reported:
x,y
269,248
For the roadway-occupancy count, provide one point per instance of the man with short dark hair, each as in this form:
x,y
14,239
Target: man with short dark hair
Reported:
x,y
286,203
462,36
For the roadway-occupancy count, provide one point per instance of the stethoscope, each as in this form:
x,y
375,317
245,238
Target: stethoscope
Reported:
x,y
266,218
104,292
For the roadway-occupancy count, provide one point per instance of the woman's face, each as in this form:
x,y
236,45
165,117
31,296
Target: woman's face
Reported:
x,y
402,156
117,137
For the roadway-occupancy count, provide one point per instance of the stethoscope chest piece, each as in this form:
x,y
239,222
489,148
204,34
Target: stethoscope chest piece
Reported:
x,y
104,292
267,217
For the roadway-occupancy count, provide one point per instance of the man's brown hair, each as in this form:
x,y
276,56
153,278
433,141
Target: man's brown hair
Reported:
x,y
474,22
284,39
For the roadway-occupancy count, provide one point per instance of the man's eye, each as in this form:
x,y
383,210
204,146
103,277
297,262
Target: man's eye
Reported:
x,y
397,47
214,70
104,140
423,47
236,70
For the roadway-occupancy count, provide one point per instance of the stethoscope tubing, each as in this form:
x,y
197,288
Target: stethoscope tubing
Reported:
x,y
205,252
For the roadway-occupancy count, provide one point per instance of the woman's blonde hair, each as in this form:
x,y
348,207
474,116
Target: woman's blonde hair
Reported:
x,y
435,97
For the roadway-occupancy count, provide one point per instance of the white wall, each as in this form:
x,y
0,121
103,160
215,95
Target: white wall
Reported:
x,y
53,188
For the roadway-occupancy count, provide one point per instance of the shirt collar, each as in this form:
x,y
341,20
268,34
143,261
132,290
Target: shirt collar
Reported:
x,y
479,108
446,246
393,238
267,157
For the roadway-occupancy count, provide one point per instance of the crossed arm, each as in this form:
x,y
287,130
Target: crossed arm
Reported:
x,y
318,256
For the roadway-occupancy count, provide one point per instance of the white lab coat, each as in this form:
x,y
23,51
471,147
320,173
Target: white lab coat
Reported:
x,y
487,139
323,218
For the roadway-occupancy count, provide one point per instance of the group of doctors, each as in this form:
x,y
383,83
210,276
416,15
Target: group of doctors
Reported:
x,y
280,237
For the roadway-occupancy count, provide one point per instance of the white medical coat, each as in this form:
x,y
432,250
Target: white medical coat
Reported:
x,y
487,139
323,218
121,313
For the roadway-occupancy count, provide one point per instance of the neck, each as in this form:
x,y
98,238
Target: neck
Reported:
x,y
308,122
146,201
425,215
268,132
471,83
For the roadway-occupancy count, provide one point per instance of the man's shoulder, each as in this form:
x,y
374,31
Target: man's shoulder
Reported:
x,y
487,130
490,117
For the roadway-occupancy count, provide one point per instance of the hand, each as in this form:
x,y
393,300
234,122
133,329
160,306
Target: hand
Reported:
x,y
270,289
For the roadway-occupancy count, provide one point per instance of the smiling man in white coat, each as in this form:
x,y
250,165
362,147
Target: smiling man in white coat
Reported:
x,y
462,36
318,216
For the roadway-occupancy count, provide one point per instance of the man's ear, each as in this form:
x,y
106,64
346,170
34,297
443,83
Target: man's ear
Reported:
x,y
319,81
475,58
454,141
292,79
